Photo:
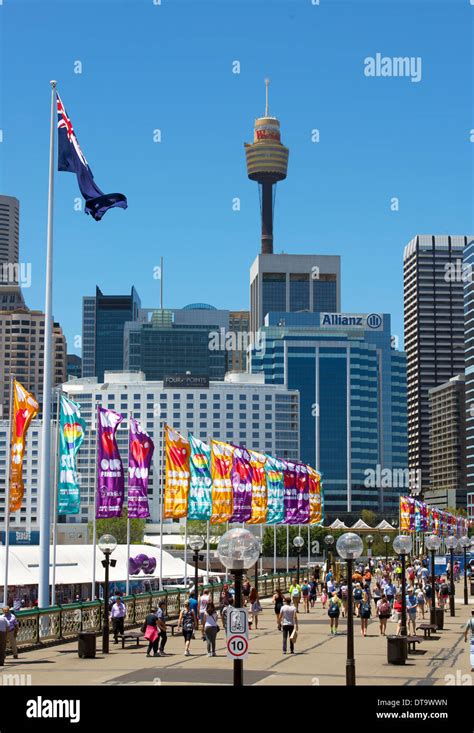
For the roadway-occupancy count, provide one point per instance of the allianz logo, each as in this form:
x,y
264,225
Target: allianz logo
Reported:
x,y
373,320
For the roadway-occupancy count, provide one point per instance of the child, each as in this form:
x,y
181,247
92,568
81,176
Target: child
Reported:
x,y
324,597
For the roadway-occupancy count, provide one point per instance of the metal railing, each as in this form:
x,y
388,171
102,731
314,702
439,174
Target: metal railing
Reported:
x,y
60,623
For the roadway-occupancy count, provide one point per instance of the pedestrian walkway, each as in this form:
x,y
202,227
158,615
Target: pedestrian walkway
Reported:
x,y
319,659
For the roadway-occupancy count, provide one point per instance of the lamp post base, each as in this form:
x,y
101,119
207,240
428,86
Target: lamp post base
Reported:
x,y
350,673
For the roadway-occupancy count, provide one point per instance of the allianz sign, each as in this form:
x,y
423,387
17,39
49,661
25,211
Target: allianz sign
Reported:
x,y
364,321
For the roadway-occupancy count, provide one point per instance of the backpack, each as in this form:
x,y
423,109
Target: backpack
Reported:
x,y
357,594
344,591
365,608
384,607
333,610
444,588
188,621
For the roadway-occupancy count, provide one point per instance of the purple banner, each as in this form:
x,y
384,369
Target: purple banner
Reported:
x,y
241,476
291,493
140,452
302,488
110,478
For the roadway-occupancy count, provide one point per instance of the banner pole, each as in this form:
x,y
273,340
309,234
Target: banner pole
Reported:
x,y
94,521
287,548
309,546
185,551
45,460
55,500
7,497
163,454
274,549
208,553
261,549
127,582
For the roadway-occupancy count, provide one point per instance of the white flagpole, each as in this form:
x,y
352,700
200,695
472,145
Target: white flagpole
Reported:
x,y
7,498
186,551
261,549
127,583
274,549
55,503
208,553
45,461
163,454
94,520
287,549
309,546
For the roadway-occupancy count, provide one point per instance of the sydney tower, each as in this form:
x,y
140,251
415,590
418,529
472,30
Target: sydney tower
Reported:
x,y
267,163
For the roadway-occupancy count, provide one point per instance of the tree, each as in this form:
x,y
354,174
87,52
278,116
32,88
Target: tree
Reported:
x,y
117,526
369,517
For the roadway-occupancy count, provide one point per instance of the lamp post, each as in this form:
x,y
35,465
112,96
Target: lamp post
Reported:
x,y
298,543
433,544
350,547
386,539
107,544
329,541
256,565
196,543
465,542
369,541
402,545
238,549
451,543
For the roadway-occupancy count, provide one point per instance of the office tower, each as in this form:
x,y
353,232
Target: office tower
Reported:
x,y
293,283
161,348
239,327
241,409
434,334
267,163
448,444
74,366
12,272
22,352
103,322
468,283
352,387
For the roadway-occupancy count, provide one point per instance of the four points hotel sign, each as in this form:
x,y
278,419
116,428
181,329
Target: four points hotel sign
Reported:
x,y
362,321
185,381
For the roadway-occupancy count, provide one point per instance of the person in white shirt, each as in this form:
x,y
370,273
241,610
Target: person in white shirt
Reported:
x,y
470,628
117,614
12,630
288,621
203,601
3,638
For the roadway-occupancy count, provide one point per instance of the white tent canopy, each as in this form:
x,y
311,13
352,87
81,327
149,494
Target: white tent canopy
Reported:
x,y
338,524
74,564
361,525
384,525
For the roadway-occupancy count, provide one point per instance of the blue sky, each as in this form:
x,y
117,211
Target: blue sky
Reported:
x,y
169,67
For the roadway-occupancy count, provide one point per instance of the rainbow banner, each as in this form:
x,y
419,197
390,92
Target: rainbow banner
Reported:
x,y
291,494
200,488
259,488
316,510
25,408
221,473
416,516
241,477
177,453
71,435
140,453
275,490
404,514
302,487
110,475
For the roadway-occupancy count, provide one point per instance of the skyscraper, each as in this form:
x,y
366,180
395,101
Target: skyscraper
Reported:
x,y
468,273
10,269
293,283
434,334
103,320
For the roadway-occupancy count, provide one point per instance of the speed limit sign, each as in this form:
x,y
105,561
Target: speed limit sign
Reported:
x,y
237,646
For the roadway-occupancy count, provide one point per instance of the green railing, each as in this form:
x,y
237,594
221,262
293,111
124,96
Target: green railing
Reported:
x,y
60,623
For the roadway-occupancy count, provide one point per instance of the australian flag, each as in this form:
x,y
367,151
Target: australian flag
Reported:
x,y
72,159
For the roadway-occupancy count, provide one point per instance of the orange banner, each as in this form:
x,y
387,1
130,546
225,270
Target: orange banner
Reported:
x,y
177,451
259,488
222,492
24,409
404,514
315,496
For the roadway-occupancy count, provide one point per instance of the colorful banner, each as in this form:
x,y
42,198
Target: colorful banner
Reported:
x,y
302,487
275,490
315,496
110,475
416,516
241,477
259,489
221,471
71,435
404,514
291,494
140,453
177,452
200,487
24,409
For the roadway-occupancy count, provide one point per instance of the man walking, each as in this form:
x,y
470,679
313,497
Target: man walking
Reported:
x,y
117,614
160,615
470,628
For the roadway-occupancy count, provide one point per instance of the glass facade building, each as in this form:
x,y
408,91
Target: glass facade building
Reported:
x,y
468,278
352,387
103,321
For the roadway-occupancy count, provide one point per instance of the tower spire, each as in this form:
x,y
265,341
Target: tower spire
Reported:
x,y
267,84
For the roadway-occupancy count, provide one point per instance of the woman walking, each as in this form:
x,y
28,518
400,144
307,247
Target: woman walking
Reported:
x,y
397,612
420,603
365,613
305,594
288,621
334,612
210,628
151,633
383,612
255,606
187,622
203,601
